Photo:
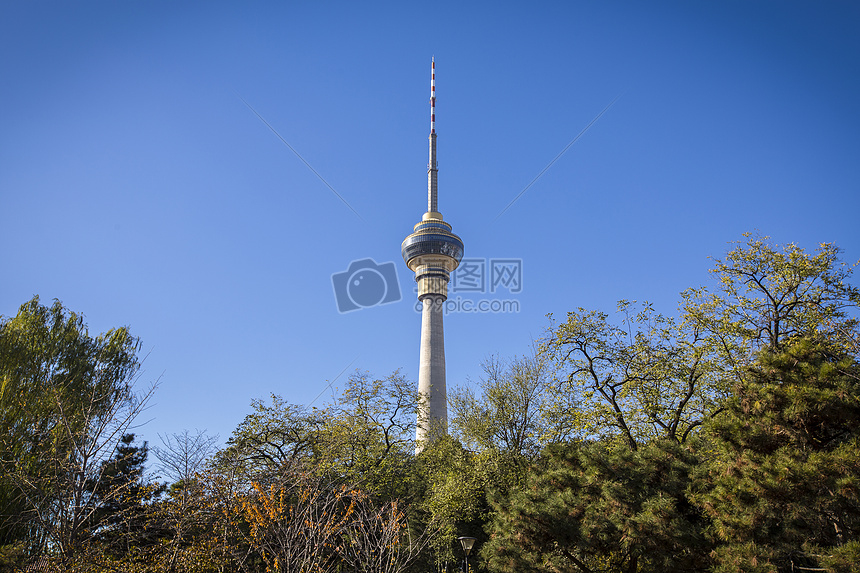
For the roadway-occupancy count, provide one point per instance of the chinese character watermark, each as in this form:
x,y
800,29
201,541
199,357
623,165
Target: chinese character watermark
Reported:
x,y
483,276
488,276
506,273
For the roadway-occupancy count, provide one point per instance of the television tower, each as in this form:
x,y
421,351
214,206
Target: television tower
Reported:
x,y
432,251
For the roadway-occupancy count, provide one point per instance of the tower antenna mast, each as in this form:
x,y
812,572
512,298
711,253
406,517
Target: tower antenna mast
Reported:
x,y
432,171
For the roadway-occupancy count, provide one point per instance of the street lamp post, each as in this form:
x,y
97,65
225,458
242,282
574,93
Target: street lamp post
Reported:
x,y
467,543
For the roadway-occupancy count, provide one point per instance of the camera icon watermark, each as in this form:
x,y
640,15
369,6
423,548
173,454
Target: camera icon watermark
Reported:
x,y
365,283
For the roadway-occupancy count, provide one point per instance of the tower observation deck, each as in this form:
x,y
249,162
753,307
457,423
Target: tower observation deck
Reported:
x,y
432,252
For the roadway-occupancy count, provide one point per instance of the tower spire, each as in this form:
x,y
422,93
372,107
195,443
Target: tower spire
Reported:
x,y
432,95
432,171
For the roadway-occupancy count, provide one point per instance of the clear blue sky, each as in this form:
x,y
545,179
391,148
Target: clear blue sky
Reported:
x,y
138,188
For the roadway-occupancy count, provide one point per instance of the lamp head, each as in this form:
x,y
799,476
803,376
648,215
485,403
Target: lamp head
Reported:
x,y
467,543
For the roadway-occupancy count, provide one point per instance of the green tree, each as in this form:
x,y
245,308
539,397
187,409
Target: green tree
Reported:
x,y
363,440
648,378
782,483
66,400
768,294
273,434
599,508
367,436
510,413
196,521
648,385
450,487
364,437
503,427
120,520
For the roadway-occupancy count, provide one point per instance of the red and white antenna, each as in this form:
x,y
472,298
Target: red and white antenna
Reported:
x,y
432,176
432,95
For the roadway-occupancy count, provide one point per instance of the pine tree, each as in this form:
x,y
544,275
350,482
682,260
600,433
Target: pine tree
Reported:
x,y
120,522
783,483
602,508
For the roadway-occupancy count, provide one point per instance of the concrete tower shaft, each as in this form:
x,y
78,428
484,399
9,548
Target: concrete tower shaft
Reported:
x,y
432,252
432,382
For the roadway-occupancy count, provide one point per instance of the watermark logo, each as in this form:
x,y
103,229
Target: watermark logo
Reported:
x,y
470,305
365,283
506,273
488,276
476,276
470,276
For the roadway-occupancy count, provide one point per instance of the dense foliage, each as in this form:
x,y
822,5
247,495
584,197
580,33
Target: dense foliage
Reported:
x,y
595,507
781,487
723,439
66,401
